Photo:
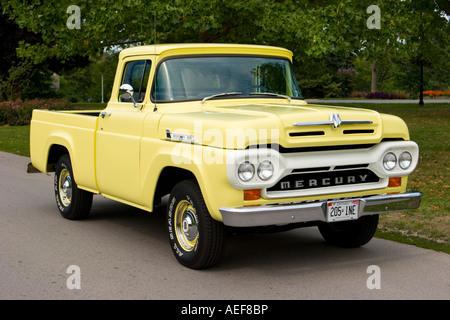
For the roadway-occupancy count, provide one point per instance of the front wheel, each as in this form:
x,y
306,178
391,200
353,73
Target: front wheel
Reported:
x,y
197,240
350,234
73,203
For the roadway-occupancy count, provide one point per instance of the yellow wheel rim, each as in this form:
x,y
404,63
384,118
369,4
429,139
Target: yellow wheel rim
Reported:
x,y
65,187
186,225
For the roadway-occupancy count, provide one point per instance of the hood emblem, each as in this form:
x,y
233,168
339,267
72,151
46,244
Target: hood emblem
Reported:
x,y
335,121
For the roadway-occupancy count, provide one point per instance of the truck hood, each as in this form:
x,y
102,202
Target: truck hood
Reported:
x,y
288,125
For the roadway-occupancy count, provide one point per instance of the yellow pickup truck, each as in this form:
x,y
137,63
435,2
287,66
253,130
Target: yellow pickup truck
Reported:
x,y
224,130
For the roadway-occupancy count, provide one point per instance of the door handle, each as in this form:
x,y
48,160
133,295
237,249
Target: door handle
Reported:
x,y
104,114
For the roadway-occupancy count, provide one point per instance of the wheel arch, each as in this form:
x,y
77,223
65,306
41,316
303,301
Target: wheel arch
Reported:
x,y
81,158
168,178
55,152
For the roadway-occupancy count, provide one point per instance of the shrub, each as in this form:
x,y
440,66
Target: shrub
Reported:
x,y
387,95
18,113
402,94
358,94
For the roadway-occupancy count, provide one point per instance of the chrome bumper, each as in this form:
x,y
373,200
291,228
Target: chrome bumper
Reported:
x,y
309,212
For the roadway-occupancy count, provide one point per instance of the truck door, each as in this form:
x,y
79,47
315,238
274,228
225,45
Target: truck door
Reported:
x,y
119,135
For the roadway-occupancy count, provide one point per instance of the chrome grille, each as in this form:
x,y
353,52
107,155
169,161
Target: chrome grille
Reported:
x,y
324,179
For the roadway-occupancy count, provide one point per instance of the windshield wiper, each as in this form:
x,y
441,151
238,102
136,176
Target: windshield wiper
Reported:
x,y
221,95
271,94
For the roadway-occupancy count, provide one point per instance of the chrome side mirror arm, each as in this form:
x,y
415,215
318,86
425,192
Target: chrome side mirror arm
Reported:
x,y
127,92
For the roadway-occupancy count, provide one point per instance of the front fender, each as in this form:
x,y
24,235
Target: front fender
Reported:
x,y
207,164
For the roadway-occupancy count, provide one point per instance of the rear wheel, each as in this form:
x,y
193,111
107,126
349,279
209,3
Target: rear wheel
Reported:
x,y
72,202
197,240
350,234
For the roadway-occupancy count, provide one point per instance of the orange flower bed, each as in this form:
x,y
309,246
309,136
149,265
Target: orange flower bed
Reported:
x,y
436,93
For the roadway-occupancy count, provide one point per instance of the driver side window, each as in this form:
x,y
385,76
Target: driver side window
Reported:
x,y
136,74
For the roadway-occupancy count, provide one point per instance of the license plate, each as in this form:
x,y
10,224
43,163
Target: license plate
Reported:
x,y
342,210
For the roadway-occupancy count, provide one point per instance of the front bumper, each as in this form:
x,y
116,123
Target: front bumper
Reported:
x,y
309,212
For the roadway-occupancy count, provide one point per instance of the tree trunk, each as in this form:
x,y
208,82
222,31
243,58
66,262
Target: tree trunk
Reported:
x,y
373,87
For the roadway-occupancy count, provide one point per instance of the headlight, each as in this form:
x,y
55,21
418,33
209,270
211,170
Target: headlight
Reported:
x,y
389,161
246,171
405,160
265,170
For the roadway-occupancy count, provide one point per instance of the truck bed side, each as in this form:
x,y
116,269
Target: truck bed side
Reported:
x,y
73,132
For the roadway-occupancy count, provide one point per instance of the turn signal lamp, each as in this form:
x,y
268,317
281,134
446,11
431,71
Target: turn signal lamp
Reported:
x,y
395,182
253,194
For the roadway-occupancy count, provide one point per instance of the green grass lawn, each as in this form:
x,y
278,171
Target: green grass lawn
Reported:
x,y
428,226
15,140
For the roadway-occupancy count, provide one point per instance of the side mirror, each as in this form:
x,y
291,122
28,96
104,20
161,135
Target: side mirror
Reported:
x,y
126,91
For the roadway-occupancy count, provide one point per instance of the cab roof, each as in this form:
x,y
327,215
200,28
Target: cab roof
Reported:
x,y
206,48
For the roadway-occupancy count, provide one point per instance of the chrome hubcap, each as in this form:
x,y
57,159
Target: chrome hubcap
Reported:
x,y
186,225
65,187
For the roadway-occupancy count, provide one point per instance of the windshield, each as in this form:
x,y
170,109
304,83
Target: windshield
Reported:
x,y
199,77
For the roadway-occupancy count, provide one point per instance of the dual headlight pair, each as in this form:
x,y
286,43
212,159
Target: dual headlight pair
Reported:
x,y
264,170
390,160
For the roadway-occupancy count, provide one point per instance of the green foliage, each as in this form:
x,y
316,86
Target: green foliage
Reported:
x,y
105,24
413,30
316,28
11,84
21,78
84,84
25,80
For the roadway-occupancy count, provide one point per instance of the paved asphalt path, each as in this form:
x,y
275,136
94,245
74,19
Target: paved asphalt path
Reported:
x,y
123,253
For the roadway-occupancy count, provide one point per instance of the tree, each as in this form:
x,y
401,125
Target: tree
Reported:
x,y
22,77
429,41
316,28
14,72
84,84
311,29
106,24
